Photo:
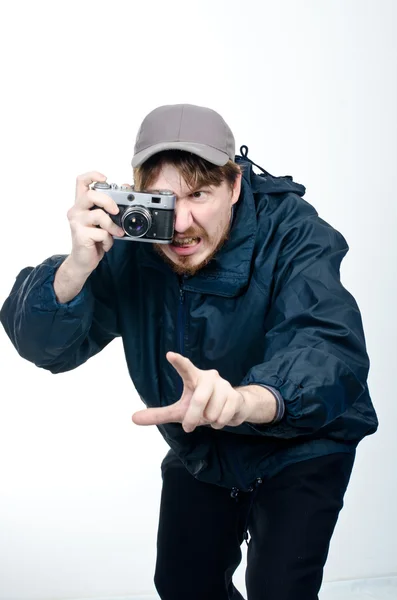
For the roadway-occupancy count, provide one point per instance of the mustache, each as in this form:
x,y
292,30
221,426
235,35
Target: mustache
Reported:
x,y
189,233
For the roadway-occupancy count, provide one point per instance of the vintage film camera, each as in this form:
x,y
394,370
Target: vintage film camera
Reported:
x,y
144,216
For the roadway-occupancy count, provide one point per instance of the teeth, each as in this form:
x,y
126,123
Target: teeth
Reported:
x,y
185,241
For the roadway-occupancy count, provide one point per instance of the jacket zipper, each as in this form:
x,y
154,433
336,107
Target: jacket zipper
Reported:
x,y
181,341
235,491
180,325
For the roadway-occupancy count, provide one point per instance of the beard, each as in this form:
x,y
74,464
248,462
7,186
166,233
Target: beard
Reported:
x,y
183,266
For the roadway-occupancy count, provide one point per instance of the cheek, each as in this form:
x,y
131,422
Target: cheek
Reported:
x,y
212,222
221,223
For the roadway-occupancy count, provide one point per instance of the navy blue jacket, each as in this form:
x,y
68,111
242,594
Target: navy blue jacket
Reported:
x,y
268,309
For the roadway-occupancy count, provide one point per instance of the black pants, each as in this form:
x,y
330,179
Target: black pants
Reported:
x,y
291,522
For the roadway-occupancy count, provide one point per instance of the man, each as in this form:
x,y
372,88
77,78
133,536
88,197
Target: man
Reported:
x,y
241,341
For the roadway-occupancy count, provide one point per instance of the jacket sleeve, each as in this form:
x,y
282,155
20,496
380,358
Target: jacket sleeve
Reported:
x,y
315,352
55,336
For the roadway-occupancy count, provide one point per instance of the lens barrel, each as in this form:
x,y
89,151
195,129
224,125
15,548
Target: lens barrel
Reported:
x,y
136,221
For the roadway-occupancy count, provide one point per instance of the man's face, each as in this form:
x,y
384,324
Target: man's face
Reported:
x,y
202,220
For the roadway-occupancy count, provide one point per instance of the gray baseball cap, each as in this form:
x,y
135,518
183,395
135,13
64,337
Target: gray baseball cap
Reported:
x,y
195,129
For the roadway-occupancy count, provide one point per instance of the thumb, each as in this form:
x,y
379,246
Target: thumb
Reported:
x,y
156,416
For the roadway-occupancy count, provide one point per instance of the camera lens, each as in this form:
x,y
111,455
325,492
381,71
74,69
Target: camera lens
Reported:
x,y
137,221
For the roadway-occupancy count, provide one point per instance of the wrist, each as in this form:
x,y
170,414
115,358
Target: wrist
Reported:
x,y
69,281
74,271
261,404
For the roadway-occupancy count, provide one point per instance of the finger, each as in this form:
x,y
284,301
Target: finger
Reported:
x,y
233,413
107,243
99,217
156,416
103,200
127,185
198,404
84,181
87,236
100,199
184,367
218,400
227,414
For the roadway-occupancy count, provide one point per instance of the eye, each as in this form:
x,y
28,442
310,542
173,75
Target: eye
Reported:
x,y
197,194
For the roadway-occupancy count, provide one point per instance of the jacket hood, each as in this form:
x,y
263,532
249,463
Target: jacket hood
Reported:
x,y
228,272
264,182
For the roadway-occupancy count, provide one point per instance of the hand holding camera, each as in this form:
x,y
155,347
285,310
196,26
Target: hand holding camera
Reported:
x,y
143,216
91,227
104,213
92,235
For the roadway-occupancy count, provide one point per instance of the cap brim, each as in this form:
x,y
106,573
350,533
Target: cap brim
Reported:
x,y
213,156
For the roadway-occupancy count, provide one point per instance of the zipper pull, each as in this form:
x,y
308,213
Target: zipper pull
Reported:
x,y
181,290
234,493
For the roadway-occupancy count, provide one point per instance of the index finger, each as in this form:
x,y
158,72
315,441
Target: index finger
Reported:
x,y
198,403
94,199
90,198
184,367
84,181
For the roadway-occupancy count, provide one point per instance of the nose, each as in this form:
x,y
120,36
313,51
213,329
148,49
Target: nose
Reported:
x,y
183,217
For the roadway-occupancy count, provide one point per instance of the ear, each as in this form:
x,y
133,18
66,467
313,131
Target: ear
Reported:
x,y
236,188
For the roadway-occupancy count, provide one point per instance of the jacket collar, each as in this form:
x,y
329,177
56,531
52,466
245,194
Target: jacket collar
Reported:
x,y
228,272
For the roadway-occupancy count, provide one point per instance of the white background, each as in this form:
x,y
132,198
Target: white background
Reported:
x,y
310,87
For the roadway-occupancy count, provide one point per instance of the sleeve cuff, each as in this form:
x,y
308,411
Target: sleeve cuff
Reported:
x,y
279,401
45,299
